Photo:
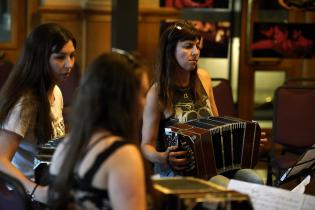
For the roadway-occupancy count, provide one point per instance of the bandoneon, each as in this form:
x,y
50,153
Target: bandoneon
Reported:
x,y
43,159
216,144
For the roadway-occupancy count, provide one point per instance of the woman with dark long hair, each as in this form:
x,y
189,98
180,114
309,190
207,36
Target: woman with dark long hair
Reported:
x,y
181,92
31,103
99,166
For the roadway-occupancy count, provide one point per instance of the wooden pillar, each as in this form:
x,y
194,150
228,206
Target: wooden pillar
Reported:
x,y
246,72
125,24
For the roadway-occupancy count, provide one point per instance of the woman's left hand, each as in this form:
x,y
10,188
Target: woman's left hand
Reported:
x,y
263,139
264,144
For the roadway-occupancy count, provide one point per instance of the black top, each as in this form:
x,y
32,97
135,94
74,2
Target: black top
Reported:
x,y
185,108
84,194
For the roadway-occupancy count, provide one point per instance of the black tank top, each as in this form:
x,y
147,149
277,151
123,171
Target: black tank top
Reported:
x,y
84,194
185,108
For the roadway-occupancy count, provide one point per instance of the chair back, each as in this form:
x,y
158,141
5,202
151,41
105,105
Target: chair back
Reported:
x,y
223,96
12,194
300,81
294,116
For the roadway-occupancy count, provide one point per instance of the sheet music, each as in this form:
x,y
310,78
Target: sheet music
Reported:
x,y
300,188
309,203
265,197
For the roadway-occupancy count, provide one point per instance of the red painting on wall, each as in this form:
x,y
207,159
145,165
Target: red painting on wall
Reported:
x,y
215,37
283,40
195,3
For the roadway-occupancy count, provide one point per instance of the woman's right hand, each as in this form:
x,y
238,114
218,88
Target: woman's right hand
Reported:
x,y
176,159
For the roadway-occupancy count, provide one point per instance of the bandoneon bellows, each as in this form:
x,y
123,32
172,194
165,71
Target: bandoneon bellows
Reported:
x,y
216,144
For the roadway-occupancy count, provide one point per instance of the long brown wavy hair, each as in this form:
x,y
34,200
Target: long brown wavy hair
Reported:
x,y
166,62
107,99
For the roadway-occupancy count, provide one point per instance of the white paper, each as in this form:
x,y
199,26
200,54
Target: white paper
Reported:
x,y
309,203
300,188
266,197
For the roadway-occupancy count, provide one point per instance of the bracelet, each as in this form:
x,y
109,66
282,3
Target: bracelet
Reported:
x,y
32,193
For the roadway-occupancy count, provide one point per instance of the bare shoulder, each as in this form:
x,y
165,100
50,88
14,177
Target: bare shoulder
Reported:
x,y
126,171
202,73
153,92
205,78
126,158
124,154
57,89
128,152
152,99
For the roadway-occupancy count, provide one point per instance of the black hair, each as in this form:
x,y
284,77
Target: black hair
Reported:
x,y
32,74
107,99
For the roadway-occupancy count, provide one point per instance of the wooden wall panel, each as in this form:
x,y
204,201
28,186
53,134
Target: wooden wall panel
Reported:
x,y
246,74
98,35
309,65
18,31
149,29
92,28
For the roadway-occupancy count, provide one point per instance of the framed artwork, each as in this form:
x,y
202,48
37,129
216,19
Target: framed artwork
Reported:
x,y
286,4
195,3
281,40
298,4
215,37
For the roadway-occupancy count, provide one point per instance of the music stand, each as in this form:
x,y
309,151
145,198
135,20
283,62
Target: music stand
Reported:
x,y
304,166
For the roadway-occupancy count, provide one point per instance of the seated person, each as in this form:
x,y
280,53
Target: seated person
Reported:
x,y
31,103
181,92
99,166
